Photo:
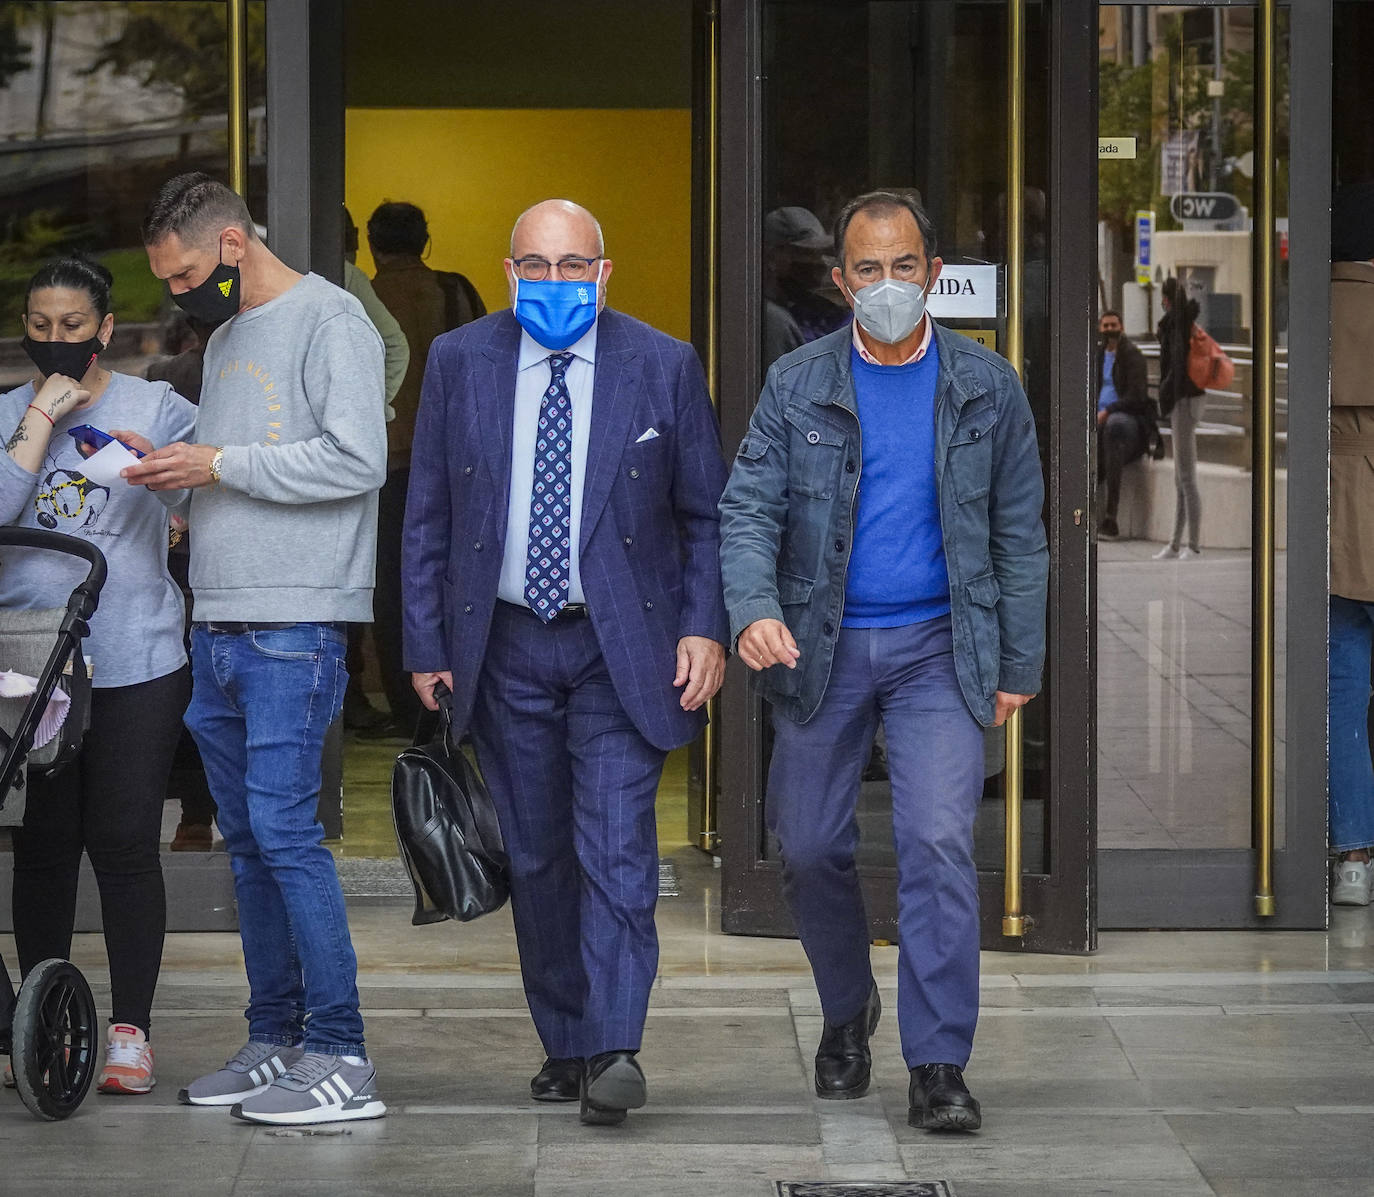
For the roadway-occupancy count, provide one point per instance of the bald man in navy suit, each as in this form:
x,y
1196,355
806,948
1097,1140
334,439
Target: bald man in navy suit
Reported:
x,y
562,578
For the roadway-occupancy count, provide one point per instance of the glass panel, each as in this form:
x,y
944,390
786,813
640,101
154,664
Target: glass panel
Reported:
x,y
1175,188
906,96
101,103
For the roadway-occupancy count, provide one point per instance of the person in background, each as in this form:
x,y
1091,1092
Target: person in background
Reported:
x,y
359,714
1126,425
1181,401
108,801
291,450
425,303
1351,787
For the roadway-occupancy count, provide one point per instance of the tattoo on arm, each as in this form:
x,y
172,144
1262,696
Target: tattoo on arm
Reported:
x,y
19,436
56,403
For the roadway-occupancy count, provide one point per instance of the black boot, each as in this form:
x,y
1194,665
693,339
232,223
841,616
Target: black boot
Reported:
x,y
612,1083
843,1062
558,1080
939,1100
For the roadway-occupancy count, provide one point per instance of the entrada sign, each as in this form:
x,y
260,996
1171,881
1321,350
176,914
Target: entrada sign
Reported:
x,y
1204,205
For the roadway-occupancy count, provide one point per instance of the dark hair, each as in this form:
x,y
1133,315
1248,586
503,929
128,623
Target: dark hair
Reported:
x,y
350,232
1109,312
79,274
397,228
1171,290
883,202
195,206
1352,223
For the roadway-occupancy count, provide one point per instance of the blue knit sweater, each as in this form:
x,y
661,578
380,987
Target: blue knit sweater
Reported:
x,y
897,573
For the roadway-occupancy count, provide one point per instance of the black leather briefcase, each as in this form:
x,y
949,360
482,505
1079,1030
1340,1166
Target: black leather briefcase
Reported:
x,y
447,830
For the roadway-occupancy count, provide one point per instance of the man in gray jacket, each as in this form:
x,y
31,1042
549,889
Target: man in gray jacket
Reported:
x,y
292,451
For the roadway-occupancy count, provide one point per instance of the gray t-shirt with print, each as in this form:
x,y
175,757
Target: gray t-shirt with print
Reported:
x,y
136,633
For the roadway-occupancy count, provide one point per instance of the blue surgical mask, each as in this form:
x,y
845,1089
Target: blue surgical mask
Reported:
x,y
889,310
556,312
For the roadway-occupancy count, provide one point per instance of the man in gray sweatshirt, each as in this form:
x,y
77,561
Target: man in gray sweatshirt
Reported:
x,y
291,452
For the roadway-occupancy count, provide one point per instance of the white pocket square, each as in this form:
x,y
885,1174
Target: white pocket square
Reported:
x,y
647,435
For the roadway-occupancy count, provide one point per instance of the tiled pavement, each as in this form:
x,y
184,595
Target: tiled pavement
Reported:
x,y
1229,1063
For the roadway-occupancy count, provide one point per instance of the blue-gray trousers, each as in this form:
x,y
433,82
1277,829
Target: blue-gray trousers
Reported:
x,y
905,678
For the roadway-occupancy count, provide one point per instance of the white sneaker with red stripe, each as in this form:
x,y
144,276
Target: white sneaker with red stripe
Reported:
x,y
128,1061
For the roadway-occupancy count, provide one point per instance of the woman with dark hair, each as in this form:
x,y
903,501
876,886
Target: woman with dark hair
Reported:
x,y
108,801
1181,401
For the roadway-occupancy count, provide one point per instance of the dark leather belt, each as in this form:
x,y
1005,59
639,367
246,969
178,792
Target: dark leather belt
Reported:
x,y
242,629
570,612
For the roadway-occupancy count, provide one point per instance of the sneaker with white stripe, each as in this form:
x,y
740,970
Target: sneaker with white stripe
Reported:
x,y
251,1070
318,1088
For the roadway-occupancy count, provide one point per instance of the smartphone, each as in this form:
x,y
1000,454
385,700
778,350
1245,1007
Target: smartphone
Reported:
x,y
89,438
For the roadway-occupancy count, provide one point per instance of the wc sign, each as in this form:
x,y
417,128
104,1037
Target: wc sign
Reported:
x,y
964,291
1204,205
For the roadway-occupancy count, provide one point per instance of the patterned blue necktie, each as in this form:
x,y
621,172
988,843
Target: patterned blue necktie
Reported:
x,y
548,564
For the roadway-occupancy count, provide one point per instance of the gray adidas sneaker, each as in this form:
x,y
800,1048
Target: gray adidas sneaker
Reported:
x,y
251,1069
317,1088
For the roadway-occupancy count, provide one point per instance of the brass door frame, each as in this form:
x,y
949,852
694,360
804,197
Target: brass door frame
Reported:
x,y
1236,888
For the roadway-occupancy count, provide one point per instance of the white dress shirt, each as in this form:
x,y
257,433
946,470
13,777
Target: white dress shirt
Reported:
x,y
531,381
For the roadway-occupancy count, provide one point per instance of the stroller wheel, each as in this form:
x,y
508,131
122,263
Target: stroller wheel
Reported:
x,y
54,1040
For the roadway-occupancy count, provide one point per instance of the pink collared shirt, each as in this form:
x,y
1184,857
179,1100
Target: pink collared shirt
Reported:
x,y
873,361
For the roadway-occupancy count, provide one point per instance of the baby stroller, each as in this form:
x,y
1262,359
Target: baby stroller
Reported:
x,y
49,1028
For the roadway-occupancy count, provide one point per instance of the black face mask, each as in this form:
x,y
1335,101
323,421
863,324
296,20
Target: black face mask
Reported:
x,y
70,358
216,299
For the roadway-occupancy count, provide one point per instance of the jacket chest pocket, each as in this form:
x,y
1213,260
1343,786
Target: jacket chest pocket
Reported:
x,y
968,461
815,454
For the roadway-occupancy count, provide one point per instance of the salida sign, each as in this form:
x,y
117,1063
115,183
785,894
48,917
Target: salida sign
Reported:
x,y
964,291
1204,205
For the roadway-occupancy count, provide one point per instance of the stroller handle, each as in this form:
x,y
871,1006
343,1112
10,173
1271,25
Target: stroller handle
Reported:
x,y
73,546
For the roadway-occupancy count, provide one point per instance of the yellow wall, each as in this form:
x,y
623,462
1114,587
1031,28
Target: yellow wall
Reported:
x,y
473,171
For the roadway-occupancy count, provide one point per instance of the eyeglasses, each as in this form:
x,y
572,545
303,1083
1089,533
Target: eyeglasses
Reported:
x,y
535,270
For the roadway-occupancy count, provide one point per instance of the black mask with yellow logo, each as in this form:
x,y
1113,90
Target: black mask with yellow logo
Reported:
x,y
216,299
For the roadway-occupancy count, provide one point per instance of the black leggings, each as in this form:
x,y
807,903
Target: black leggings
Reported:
x,y
109,802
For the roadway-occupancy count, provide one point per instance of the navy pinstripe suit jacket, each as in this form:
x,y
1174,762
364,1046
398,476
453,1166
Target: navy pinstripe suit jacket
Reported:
x,y
650,538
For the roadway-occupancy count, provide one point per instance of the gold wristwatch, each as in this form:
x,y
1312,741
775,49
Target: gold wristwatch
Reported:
x,y
216,465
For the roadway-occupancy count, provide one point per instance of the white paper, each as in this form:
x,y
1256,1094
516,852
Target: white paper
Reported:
x,y
104,464
20,685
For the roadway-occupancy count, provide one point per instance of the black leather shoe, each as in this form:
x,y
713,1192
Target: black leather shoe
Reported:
x,y
558,1080
939,1100
842,1060
612,1084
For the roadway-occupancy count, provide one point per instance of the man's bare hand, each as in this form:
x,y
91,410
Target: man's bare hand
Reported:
x,y
767,642
424,686
701,668
140,444
1006,703
1102,417
174,467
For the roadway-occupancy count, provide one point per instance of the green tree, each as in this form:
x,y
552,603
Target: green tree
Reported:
x,y
181,47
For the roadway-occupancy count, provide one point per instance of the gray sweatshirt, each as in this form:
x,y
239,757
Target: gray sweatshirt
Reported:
x,y
294,395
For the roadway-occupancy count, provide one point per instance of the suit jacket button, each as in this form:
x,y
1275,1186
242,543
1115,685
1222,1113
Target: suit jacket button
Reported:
x,y
467,609
634,473
649,604
839,546
467,469
828,628
848,467
477,546
975,434
629,540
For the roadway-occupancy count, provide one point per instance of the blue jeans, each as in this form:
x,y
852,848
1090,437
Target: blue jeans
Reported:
x,y
1351,777
904,677
260,707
